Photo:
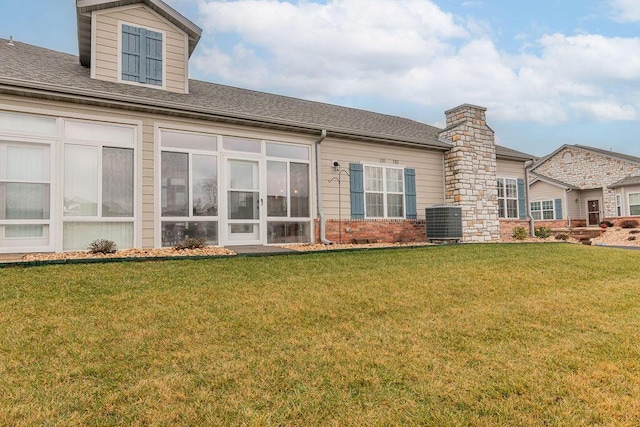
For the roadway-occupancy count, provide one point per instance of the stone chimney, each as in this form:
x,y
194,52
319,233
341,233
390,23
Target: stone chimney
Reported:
x,y
470,172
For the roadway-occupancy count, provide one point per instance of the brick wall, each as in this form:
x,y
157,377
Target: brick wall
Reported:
x,y
382,231
617,220
507,226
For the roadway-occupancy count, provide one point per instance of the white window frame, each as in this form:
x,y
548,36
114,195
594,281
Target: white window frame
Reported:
x,y
542,210
190,152
619,204
119,56
100,145
505,198
629,202
385,192
18,139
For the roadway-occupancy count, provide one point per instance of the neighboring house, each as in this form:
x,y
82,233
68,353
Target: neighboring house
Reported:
x,y
584,185
120,144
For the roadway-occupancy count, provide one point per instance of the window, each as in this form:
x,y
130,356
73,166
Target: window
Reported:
x,y
634,204
189,187
618,204
142,55
384,192
507,198
99,184
543,210
288,202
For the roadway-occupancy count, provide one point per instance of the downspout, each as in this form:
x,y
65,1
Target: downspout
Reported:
x,y
532,224
321,217
566,202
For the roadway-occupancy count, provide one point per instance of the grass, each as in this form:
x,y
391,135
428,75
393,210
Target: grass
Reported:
x,y
462,335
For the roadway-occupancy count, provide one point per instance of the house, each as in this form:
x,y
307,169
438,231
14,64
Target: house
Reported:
x,y
118,143
582,186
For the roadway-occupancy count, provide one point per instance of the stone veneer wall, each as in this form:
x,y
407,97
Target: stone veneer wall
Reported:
x,y
589,170
470,172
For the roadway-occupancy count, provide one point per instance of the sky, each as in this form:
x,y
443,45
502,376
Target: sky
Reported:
x,y
549,72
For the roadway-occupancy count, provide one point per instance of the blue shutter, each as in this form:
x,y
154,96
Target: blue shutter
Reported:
x,y
558,203
522,207
410,193
131,53
141,55
153,58
356,182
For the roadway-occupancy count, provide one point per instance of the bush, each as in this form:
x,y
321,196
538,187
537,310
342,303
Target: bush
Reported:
x,y
102,246
604,224
634,232
629,223
191,243
520,233
631,238
543,232
562,236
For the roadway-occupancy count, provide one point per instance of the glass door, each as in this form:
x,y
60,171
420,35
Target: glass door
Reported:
x,y
244,202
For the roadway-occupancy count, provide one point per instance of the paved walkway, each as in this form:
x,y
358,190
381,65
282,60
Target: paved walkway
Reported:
x,y
11,257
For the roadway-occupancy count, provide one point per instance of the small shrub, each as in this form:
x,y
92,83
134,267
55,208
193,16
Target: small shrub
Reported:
x,y
562,236
191,243
634,232
631,238
629,223
605,224
543,232
102,246
519,233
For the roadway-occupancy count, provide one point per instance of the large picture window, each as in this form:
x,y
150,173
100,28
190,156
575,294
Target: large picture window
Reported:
x,y
507,198
99,184
189,187
384,192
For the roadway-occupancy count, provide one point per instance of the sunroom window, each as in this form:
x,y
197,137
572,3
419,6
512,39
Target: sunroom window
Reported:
x,y
189,187
99,184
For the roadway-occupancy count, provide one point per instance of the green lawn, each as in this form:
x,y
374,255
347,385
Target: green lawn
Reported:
x,y
544,334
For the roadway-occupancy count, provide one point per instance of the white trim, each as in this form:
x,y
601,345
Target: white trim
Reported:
x,y
119,56
186,65
384,191
542,210
517,198
94,44
629,202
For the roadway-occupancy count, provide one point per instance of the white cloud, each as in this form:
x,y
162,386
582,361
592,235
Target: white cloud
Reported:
x,y
625,10
412,51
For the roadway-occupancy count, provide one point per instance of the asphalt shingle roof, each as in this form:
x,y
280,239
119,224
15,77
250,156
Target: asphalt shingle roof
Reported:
x,y
625,182
24,65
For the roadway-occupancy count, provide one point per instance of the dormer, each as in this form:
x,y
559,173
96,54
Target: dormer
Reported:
x,y
136,42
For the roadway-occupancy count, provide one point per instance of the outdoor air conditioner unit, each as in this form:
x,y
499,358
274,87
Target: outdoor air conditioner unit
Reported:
x,y
444,223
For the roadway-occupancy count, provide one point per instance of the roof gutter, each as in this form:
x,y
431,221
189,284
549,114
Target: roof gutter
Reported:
x,y
321,217
88,96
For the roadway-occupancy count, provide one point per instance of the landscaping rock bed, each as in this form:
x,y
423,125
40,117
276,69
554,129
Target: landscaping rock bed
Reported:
x,y
131,253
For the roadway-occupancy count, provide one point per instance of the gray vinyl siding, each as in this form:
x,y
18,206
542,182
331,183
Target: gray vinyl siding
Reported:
x,y
541,190
509,169
106,53
428,164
